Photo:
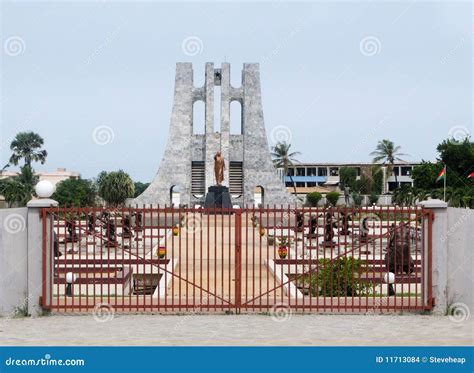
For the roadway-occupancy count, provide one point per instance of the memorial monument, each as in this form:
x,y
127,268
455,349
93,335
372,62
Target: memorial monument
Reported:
x,y
190,159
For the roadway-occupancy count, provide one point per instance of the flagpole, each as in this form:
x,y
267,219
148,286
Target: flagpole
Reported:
x,y
445,176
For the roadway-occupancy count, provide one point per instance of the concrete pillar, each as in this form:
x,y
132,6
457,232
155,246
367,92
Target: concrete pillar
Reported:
x,y
35,254
225,118
439,252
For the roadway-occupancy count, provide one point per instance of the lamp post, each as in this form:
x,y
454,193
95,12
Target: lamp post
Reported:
x,y
70,278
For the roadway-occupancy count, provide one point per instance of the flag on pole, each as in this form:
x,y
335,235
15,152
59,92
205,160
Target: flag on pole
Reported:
x,y
442,174
470,175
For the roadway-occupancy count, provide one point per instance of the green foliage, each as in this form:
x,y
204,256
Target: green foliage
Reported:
x,y
377,177
357,198
18,190
27,146
332,198
371,180
387,152
283,158
347,177
140,188
424,175
313,198
403,196
115,187
339,278
75,192
459,159
458,156
373,198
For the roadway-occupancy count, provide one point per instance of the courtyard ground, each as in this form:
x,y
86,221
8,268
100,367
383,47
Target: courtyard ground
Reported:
x,y
248,330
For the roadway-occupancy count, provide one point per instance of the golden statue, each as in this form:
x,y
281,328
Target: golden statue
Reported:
x,y
219,167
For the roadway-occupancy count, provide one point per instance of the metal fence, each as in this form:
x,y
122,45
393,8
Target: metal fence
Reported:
x,y
145,259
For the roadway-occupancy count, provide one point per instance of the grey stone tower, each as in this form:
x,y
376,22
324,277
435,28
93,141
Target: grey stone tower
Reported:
x,y
188,162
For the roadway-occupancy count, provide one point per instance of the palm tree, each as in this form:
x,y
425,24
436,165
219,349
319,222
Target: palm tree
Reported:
x,y
282,158
115,187
388,153
27,146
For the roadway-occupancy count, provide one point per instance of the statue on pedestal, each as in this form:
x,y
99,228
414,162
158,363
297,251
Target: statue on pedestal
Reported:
x,y
219,167
329,225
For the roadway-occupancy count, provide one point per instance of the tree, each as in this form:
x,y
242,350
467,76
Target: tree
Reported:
x,y
115,187
75,192
140,188
27,146
347,177
424,175
282,158
458,156
388,153
371,180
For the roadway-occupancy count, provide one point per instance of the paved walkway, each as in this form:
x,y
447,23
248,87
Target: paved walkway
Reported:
x,y
206,252
236,330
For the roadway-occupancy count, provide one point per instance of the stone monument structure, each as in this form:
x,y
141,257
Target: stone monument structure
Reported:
x,y
188,164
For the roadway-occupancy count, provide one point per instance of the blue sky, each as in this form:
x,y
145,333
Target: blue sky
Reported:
x,y
339,75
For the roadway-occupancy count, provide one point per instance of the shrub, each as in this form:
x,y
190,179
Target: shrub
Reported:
x,y
357,198
332,198
312,199
373,198
338,278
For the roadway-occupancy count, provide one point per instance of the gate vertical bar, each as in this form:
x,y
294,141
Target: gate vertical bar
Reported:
x,y
238,260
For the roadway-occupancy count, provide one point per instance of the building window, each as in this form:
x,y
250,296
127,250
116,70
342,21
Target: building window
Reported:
x,y
311,171
322,171
334,171
300,171
291,172
406,171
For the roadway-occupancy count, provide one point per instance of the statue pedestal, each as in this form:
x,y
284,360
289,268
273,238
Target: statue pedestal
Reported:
x,y
218,197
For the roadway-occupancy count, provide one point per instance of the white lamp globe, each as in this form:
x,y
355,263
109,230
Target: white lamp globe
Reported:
x,y
389,277
44,189
70,277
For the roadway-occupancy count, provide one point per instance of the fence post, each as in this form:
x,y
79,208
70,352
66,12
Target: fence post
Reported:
x,y
439,267
38,266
